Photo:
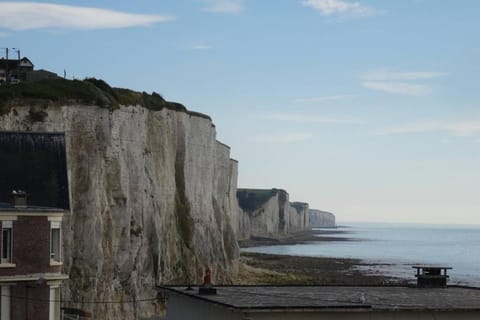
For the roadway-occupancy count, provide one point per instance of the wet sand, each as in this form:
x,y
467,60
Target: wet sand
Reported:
x,y
259,268
296,238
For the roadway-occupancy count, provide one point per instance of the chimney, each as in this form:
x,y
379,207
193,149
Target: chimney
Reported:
x,y
19,199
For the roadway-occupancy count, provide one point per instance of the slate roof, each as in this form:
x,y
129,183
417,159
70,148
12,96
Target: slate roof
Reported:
x,y
382,298
36,163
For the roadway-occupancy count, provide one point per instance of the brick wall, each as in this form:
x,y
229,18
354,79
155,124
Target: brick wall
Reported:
x,y
32,298
31,247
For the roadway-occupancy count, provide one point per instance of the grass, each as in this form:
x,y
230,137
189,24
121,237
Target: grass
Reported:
x,y
90,91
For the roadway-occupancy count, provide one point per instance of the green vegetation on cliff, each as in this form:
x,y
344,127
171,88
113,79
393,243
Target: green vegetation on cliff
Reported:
x,y
90,91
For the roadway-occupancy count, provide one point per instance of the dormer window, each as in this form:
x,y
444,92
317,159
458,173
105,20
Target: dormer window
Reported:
x,y
7,242
55,242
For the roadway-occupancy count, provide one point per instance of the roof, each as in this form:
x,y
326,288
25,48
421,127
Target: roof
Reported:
x,y
12,63
375,298
10,208
36,163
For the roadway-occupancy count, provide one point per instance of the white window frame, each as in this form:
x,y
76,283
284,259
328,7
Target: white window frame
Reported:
x,y
9,259
56,225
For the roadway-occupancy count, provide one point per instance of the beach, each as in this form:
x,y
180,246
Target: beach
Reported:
x,y
263,268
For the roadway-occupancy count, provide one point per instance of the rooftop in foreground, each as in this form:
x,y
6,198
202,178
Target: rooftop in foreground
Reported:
x,y
381,298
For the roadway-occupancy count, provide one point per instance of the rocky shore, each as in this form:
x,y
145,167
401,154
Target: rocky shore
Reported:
x,y
302,237
260,268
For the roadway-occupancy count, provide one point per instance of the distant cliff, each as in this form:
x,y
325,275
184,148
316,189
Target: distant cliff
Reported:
x,y
321,219
268,212
153,196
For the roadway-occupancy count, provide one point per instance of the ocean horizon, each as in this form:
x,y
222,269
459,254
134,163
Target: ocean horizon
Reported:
x,y
391,249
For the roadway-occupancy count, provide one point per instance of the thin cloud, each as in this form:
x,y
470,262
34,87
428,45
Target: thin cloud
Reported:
x,y
306,119
458,128
201,47
398,87
284,138
340,8
4,34
400,82
37,15
320,99
224,6
383,75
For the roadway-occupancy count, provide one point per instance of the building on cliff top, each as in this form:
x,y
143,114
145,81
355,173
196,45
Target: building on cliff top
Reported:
x,y
21,69
31,260
323,302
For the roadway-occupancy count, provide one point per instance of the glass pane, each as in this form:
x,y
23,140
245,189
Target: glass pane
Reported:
x,y
55,245
6,245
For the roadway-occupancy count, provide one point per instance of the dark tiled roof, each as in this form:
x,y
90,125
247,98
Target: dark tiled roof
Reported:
x,y
35,163
341,297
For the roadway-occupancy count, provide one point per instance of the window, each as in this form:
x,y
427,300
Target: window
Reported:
x,y
55,242
7,241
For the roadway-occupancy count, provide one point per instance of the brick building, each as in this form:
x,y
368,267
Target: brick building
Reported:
x,y
31,260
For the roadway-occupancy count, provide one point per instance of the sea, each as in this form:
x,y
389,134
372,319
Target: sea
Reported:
x,y
392,249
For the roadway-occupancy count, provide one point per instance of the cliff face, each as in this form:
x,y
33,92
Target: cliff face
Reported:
x,y
299,217
152,196
321,219
269,213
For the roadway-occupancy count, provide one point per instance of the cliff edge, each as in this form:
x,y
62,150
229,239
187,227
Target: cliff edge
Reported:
x,y
151,194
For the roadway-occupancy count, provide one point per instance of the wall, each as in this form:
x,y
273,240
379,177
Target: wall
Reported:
x,y
31,247
150,193
36,303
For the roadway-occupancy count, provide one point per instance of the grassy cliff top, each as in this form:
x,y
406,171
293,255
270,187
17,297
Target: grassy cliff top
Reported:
x,y
89,91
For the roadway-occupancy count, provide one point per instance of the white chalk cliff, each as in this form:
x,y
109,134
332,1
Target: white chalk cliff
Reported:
x,y
153,200
268,213
321,219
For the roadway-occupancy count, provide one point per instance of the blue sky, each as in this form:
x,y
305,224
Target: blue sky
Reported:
x,y
369,109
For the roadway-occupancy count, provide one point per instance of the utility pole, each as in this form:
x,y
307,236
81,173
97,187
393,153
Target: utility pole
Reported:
x,y
7,79
7,73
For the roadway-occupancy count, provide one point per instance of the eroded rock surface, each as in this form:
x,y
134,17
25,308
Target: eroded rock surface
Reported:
x,y
153,197
268,213
321,219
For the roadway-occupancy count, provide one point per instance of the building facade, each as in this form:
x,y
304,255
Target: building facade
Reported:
x,y
14,70
31,260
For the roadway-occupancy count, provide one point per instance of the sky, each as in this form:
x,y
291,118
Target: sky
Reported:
x,y
368,109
